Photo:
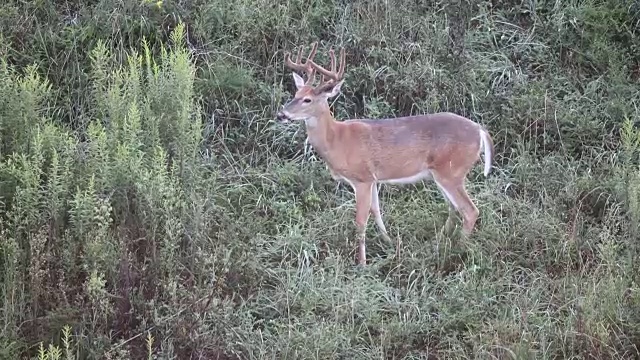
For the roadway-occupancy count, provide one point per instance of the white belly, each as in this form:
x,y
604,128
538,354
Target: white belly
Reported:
x,y
423,175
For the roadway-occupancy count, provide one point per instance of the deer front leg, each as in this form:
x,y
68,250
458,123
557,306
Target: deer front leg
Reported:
x,y
375,211
363,207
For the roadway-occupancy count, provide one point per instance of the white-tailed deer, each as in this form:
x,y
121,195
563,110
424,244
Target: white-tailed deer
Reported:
x,y
403,150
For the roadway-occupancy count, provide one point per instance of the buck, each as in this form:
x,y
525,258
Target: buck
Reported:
x,y
404,150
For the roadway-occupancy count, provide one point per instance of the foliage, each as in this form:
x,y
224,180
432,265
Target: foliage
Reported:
x,y
152,209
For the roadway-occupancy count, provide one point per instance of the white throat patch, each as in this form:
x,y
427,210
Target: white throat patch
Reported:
x,y
311,122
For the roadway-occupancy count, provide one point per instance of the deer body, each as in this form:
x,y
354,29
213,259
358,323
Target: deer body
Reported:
x,y
403,150
398,150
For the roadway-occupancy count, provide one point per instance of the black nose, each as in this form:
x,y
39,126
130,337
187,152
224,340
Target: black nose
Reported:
x,y
281,116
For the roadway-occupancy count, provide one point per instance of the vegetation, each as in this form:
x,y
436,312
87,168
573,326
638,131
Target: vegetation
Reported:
x,y
151,207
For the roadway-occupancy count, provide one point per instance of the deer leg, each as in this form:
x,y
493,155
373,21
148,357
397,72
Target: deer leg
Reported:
x,y
455,191
375,211
471,212
449,225
363,208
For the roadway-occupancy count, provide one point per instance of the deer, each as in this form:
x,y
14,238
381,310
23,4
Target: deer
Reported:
x,y
443,147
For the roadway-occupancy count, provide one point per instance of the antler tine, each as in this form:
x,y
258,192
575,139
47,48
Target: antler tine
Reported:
x,y
299,66
299,57
330,78
332,55
310,70
332,75
312,53
293,65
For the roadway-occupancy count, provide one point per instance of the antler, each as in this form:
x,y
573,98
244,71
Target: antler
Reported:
x,y
329,78
306,67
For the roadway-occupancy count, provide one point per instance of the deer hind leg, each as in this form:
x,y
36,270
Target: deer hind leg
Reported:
x,y
449,225
375,211
363,207
454,190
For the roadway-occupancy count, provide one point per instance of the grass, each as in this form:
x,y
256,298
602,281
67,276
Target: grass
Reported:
x,y
151,208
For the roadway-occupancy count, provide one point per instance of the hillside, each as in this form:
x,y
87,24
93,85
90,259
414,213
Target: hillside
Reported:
x,y
151,205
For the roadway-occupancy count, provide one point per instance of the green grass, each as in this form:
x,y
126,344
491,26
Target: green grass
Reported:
x,y
152,208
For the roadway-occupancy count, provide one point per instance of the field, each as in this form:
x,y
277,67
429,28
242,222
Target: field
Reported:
x,y
152,207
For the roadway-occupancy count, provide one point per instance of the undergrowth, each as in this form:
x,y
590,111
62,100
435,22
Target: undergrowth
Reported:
x,y
152,208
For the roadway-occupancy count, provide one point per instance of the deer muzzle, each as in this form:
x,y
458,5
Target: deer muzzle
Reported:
x,y
282,117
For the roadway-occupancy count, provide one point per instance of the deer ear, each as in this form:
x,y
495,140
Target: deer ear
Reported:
x,y
298,80
335,90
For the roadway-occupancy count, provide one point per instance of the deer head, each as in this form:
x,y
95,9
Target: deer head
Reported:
x,y
312,101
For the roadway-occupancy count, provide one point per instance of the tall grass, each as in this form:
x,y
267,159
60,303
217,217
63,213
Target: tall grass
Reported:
x,y
152,209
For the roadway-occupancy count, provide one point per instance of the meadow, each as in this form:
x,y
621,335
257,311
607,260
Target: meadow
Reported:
x,y
152,207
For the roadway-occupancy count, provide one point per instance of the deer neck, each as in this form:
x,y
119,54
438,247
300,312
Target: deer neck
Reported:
x,y
320,130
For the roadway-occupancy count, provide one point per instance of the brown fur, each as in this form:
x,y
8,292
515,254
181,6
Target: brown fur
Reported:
x,y
364,152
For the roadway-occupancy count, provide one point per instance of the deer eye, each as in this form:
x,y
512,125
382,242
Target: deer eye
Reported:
x,y
306,100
